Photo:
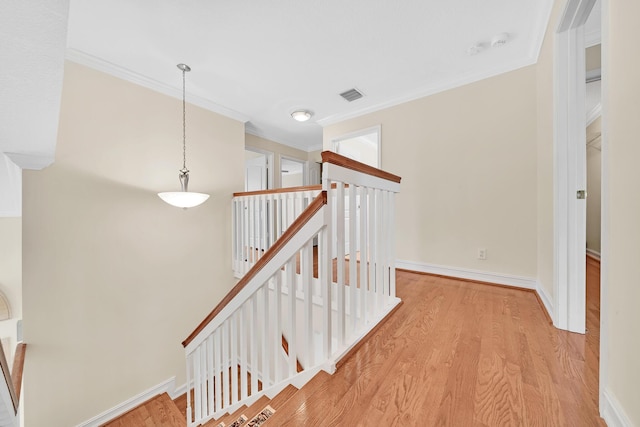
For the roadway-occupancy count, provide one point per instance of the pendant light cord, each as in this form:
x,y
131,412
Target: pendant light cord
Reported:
x,y
184,123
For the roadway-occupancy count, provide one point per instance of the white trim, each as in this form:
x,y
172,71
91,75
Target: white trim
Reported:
x,y
569,148
464,273
167,386
541,23
593,254
594,113
110,68
593,38
335,141
544,297
613,412
428,90
604,202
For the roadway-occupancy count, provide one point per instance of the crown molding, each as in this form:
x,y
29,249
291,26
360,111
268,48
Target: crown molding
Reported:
x,y
541,25
112,69
32,161
428,90
266,135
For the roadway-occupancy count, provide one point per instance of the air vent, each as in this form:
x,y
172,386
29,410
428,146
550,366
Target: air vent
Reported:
x,y
352,94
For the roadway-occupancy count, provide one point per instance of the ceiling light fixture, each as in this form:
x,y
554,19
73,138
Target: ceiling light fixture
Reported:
x,y
184,198
499,39
302,115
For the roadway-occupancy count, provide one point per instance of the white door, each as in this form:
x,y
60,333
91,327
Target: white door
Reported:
x,y
255,178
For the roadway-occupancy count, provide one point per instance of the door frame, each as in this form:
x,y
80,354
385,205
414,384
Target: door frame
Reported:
x,y
570,168
305,167
269,157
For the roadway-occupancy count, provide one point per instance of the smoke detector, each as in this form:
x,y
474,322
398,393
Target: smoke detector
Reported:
x,y
475,49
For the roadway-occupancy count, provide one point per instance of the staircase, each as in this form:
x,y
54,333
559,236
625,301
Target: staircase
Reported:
x,y
317,274
161,411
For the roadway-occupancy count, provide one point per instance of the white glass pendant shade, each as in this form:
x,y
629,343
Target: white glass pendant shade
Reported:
x,y
183,199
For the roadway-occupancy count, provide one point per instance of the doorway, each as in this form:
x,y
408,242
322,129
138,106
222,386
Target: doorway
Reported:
x,y
258,174
292,172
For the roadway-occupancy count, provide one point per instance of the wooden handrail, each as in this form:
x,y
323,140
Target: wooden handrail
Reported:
x,y
299,222
279,190
285,346
14,378
18,368
337,159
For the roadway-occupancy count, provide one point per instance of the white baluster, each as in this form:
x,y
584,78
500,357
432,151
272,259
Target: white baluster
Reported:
x,y
210,371
372,252
252,324
276,316
266,366
233,359
226,383
340,261
364,257
292,339
234,235
392,244
217,366
264,238
306,274
196,383
203,378
243,334
243,235
279,215
324,274
189,403
379,251
271,219
353,258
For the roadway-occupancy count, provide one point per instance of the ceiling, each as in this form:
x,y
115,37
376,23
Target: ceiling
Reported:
x,y
259,61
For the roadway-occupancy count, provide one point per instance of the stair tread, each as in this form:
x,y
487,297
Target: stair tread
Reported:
x,y
226,419
287,412
282,397
258,406
158,411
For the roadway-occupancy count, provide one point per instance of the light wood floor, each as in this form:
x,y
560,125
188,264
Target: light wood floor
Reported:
x,y
456,353
464,354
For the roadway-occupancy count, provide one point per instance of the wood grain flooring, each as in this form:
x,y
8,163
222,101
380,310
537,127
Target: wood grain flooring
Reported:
x,y
456,353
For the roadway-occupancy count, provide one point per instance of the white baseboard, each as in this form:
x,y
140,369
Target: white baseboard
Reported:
x,y
593,254
463,273
546,301
167,386
613,413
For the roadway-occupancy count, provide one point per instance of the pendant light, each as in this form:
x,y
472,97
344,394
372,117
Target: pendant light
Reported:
x,y
184,198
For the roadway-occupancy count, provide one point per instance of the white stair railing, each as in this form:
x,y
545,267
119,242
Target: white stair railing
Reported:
x,y
325,283
260,217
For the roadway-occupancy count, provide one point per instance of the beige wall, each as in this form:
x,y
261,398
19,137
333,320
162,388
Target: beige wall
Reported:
x,y
467,158
621,152
592,57
11,276
114,278
278,151
593,184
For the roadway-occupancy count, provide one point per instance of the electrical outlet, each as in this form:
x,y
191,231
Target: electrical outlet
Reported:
x,y
482,253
